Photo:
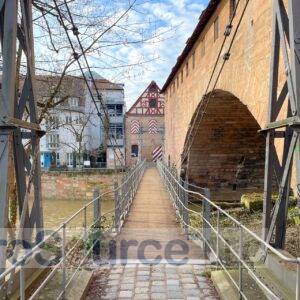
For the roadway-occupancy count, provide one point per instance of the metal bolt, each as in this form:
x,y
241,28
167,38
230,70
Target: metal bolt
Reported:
x,y
228,30
226,56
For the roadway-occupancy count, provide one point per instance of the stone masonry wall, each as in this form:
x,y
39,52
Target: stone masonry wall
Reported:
x,y
245,75
73,185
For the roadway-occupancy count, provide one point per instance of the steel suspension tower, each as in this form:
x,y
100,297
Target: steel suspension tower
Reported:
x,y
286,50
19,130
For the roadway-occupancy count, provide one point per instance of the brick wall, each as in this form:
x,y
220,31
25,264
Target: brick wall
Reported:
x,y
245,75
228,151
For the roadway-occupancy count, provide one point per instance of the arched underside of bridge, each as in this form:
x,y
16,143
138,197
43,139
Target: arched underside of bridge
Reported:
x,y
228,151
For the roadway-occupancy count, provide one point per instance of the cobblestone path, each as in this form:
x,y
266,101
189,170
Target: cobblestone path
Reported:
x,y
163,281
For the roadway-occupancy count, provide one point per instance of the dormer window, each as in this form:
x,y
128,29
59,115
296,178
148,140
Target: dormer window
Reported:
x,y
153,103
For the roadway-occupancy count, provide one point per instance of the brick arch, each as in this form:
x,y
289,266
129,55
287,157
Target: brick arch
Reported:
x,y
228,151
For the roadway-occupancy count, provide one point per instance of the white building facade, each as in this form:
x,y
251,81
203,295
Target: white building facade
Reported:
x,y
75,136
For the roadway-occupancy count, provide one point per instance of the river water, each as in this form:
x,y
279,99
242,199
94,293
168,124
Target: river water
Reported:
x,y
56,211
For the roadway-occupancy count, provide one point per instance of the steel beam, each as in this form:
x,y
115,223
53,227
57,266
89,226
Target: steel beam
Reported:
x,y
285,41
12,122
8,43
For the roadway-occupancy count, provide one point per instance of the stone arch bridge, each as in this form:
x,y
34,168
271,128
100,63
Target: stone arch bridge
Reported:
x,y
228,151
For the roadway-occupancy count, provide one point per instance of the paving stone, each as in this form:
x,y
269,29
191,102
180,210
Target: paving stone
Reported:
x,y
191,292
125,294
207,292
158,289
116,271
143,278
142,284
141,297
141,290
143,273
157,278
192,298
188,280
202,279
144,268
111,296
174,288
113,282
158,296
158,274
190,286
172,276
175,295
171,271
127,287
114,277
172,282
128,280
158,282
203,285
112,289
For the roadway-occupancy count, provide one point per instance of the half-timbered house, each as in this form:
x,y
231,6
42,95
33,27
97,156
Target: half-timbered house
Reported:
x,y
145,126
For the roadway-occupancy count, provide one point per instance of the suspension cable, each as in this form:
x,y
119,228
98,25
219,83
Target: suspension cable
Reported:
x,y
99,96
225,59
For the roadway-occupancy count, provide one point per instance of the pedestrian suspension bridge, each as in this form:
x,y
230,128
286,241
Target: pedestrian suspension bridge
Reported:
x,y
152,245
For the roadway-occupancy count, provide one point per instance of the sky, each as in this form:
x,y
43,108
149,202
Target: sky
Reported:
x,y
162,28
178,16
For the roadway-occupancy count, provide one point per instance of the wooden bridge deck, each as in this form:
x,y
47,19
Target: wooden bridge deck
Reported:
x,y
152,218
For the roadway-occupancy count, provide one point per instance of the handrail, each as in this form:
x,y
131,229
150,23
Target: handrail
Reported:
x,y
286,258
131,180
176,190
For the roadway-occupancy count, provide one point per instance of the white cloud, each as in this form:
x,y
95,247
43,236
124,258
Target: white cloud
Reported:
x,y
182,15
168,22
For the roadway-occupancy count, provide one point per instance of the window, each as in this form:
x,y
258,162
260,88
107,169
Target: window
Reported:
x,y
69,119
216,28
56,100
70,159
119,110
194,59
187,69
73,102
115,110
111,110
203,47
52,122
134,150
153,103
232,8
116,131
52,141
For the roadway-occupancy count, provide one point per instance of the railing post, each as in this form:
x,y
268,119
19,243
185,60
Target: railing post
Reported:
x,y
116,206
63,257
206,219
298,281
97,207
85,227
240,263
218,233
186,217
22,282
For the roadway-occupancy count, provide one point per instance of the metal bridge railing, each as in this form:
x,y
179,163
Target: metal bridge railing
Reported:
x,y
68,238
237,250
